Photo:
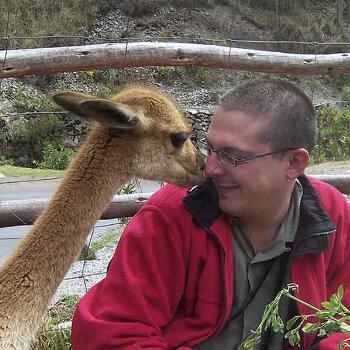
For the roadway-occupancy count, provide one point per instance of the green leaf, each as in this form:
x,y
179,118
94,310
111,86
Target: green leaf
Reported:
x,y
335,301
311,327
249,344
345,328
321,333
293,337
340,292
278,324
322,314
344,344
291,322
328,305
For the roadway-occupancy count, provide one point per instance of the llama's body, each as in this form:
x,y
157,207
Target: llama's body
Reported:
x,y
144,136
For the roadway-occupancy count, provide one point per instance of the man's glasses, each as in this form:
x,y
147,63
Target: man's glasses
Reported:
x,y
229,159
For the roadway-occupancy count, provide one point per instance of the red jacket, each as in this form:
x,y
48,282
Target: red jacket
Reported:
x,y
170,282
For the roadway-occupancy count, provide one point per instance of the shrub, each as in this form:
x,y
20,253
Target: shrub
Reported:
x,y
334,135
5,161
345,95
55,156
22,131
23,139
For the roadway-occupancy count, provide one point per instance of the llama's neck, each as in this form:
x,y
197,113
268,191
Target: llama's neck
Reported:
x,y
31,275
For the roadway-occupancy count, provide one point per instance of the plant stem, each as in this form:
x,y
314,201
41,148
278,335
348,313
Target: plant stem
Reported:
x,y
300,301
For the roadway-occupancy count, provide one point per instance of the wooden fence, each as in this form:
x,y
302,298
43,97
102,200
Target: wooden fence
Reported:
x,y
16,63
24,212
41,61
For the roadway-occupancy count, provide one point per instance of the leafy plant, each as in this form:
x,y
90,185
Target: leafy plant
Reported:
x,y
345,96
334,317
334,135
5,161
129,187
55,156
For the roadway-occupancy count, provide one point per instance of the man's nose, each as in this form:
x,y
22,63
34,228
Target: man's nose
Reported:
x,y
212,166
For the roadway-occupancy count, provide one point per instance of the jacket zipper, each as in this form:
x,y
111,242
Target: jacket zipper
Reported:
x,y
223,277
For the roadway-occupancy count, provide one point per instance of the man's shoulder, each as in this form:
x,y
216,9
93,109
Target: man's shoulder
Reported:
x,y
323,187
328,194
168,196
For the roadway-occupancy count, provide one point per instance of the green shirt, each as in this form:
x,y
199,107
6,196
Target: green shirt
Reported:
x,y
258,276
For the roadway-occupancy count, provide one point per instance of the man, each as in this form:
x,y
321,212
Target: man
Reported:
x,y
194,269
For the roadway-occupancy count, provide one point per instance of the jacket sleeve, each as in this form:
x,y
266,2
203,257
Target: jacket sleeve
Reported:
x,y
339,264
141,292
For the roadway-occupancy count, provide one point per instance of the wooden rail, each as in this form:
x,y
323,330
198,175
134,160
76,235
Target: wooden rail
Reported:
x,y
24,212
16,63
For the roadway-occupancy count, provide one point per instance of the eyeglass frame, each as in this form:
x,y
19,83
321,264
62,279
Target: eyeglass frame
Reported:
x,y
235,161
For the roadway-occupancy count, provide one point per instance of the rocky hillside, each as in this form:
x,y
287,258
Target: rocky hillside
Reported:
x,y
196,89
198,22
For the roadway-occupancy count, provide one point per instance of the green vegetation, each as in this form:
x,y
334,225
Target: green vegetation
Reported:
x,y
334,317
55,156
44,18
334,135
5,161
51,336
109,239
190,77
34,141
30,137
10,170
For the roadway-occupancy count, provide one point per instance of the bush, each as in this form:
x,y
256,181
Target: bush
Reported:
x,y
23,139
334,135
55,156
22,131
345,95
5,161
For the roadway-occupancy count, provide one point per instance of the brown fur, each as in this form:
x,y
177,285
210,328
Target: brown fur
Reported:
x,y
131,137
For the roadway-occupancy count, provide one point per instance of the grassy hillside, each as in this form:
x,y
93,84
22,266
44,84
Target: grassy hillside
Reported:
x,y
41,142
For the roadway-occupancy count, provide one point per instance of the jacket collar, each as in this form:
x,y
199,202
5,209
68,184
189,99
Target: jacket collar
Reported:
x,y
314,224
202,202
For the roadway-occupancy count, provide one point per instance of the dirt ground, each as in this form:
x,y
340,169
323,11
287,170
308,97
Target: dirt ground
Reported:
x,y
336,168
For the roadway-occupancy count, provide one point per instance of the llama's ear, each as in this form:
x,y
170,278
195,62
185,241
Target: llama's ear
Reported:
x,y
71,101
112,114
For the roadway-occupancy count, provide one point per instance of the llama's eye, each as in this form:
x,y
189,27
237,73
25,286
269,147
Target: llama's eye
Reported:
x,y
178,139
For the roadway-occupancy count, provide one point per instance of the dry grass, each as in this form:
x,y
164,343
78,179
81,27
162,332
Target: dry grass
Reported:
x,y
44,18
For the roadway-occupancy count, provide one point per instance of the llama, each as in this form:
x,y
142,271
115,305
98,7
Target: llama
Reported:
x,y
139,133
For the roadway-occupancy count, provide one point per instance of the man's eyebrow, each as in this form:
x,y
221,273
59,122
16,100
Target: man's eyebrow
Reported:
x,y
229,149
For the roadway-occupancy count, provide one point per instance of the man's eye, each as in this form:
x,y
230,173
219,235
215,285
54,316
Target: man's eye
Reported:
x,y
240,158
228,156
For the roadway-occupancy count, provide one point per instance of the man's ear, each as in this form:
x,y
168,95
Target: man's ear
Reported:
x,y
298,161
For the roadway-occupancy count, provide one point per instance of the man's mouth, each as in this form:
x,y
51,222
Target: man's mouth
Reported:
x,y
225,187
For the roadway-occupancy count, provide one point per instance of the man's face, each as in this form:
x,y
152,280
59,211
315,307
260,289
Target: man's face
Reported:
x,y
254,188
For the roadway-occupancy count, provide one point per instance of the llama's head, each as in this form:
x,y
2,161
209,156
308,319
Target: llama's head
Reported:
x,y
147,128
